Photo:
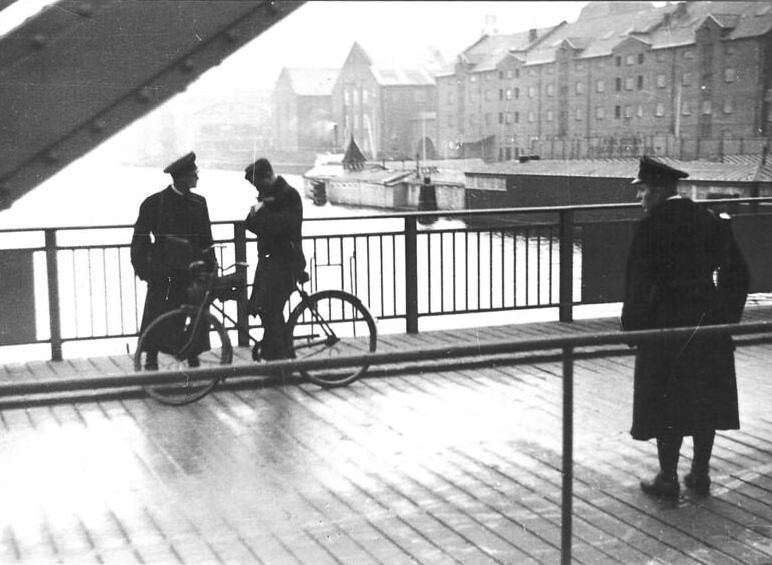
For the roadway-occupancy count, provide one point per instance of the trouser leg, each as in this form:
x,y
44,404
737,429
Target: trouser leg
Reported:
x,y
703,447
668,449
274,344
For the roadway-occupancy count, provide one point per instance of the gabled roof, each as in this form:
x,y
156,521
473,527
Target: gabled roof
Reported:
x,y
389,71
487,52
312,82
402,77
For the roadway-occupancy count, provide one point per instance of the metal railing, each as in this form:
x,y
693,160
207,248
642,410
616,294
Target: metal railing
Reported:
x,y
403,271
566,346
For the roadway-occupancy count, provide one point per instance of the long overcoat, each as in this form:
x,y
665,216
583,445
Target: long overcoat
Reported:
x,y
686,385
169,213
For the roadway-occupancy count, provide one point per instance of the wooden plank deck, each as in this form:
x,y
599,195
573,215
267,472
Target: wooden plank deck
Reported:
x,y
440,464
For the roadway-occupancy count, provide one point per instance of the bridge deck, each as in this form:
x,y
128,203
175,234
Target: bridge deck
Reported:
x,y
440,464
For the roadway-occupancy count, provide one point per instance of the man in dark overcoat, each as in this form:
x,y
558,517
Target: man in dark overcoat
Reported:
x,y
686,386
175,211
276,220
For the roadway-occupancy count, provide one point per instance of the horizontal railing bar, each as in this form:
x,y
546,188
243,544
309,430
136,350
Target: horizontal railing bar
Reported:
x,y
443,213
421,354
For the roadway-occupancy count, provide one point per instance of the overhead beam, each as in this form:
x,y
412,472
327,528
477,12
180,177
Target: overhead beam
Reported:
x,y
80,71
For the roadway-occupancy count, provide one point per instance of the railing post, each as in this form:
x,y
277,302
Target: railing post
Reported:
x,y
52,267
566,512
411,274
240,249
566,265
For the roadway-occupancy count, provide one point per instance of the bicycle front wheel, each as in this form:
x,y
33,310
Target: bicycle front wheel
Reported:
x,y
332,323
170,334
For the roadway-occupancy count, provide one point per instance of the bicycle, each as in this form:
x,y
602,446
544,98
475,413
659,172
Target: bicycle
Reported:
x,y
328,322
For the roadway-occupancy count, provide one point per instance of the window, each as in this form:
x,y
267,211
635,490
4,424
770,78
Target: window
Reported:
x,y
660,81
517,117
688,54
509,73
579,115
517,73
531,116
550,115
639,111
365,95
501,94
628,112
356,97
728,48
728,107
686,79
659,111
488,94
531,91
501,75
508,118
600,112
600,86
501,117
517,92
345,97
618,84
580,88
578,66
640,82
707,108
356,122
618,61
508,94
550,89
630,60
640,58
686,109
730,75
617,111
629,82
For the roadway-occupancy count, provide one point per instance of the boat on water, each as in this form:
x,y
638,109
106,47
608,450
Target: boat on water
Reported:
x,y
326,166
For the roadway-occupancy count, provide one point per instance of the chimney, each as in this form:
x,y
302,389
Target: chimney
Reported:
x,y
532,35
490,25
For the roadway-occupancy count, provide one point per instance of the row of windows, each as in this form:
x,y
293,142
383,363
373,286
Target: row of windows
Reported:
x,y
627,111
404,96
629,60
630,83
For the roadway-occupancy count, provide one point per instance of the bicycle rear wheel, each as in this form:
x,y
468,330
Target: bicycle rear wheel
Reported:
x,y
170,332
332,323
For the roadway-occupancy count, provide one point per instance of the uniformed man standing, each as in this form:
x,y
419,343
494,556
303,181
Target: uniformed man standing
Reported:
x,y
276,220
686,386
181,218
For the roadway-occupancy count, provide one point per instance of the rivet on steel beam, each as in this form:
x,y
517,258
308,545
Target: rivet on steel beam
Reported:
x,y
38,41
187,65
98,125
52,156
143,94
85,10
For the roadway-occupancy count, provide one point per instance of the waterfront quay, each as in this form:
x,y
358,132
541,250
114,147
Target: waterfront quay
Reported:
x,y
444,461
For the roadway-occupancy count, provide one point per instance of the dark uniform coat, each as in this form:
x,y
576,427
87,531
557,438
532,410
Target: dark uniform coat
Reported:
x,y
688,384
277,225
169,213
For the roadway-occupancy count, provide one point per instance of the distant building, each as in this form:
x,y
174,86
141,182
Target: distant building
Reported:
x,y
390,110
687,80
302,110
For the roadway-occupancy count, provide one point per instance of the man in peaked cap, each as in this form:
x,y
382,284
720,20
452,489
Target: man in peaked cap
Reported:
x,y
685,386
277,220
181,218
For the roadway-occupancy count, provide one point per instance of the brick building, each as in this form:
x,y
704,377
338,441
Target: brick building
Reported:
x,y
686,80
389,110
302,110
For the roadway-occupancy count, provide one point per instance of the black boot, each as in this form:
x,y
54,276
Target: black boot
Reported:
x,y
665,483
151,361
698,479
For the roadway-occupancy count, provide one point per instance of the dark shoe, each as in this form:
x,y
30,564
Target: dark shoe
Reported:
x,y
193,362
661,486
256,352
698,482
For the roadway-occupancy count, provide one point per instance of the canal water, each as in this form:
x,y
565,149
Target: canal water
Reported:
x,y
82,196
